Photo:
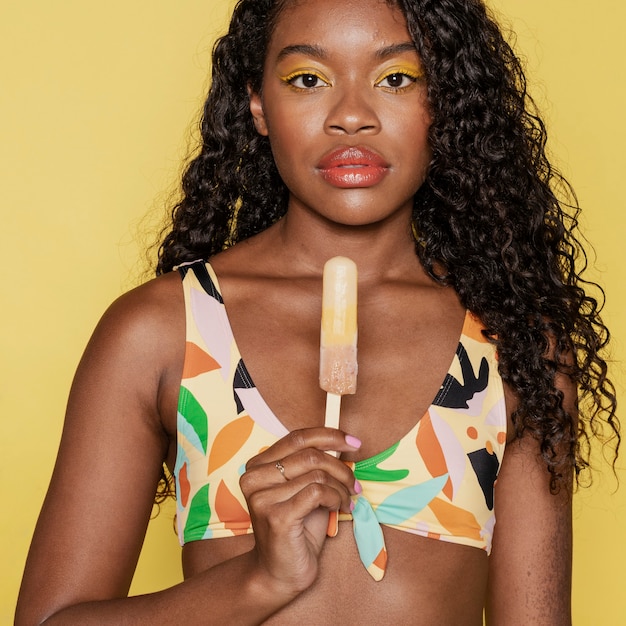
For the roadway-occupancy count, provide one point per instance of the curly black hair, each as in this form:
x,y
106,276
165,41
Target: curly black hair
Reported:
x,y
494,220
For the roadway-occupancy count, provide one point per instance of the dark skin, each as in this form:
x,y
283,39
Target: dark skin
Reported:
x,y
121,419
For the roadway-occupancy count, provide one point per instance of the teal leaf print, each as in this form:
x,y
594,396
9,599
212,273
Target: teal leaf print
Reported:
x,y
367,532
405,503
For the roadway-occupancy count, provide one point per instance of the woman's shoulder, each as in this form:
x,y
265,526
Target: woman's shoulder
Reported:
x,y
138,346
145,324
153,305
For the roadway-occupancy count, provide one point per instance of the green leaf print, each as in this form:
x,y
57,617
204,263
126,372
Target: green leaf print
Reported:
x,y
368,469
198,516
194,415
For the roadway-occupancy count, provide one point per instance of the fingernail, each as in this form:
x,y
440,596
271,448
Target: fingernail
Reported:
x,y
352,505
353,442
357,487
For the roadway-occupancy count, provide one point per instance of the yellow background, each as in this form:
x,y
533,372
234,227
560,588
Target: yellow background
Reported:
x,y
97,103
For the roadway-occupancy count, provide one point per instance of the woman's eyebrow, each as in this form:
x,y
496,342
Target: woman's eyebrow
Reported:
x,y
396,48
319,52
304,49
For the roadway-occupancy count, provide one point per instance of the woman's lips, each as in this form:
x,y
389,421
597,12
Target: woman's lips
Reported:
x,y
352,167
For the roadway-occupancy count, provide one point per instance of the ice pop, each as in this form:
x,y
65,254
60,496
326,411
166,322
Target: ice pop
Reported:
x,y
338,362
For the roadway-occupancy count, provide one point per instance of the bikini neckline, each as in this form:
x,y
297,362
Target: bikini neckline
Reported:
x,y
274,418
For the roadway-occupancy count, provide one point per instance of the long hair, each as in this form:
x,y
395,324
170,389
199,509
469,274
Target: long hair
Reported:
x,y
231,189
494,220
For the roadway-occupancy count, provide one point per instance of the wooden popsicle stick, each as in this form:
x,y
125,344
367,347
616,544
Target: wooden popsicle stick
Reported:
x,y
333,407
331,420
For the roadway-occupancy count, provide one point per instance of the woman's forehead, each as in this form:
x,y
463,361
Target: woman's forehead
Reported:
x,y
352,20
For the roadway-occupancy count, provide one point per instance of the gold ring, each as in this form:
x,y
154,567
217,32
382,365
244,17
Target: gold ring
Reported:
x,y
281,469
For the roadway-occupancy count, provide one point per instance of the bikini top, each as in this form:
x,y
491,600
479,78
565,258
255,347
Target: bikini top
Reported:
x,y
437,481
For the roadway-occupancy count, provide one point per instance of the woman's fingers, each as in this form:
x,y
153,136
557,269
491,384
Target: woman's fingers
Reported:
x,y
324,439
301,462
284,516
313,489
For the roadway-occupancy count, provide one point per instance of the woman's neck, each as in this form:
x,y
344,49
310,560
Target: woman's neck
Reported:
x,y
381,250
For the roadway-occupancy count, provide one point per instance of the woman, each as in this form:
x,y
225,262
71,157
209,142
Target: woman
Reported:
x,y
399,135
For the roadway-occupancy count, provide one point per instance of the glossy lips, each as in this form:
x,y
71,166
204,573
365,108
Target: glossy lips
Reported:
x,y
353,167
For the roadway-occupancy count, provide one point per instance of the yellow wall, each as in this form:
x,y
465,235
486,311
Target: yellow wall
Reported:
x,y
96,103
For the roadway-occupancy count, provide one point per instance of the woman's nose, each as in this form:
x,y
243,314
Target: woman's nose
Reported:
x,y
352,111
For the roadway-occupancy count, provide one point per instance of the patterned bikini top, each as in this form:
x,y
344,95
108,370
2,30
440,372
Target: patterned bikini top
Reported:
x,y
437,481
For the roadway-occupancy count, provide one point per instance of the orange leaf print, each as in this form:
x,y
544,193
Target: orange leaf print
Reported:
x,y
228,441
185,486
381,560
472,328
197,361
458,522
431,452
230,511
377,568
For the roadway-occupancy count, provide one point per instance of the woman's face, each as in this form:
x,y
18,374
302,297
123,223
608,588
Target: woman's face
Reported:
x,y
344,106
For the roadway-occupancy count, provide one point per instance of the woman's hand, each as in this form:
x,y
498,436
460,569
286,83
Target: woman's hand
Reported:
x,y
289,506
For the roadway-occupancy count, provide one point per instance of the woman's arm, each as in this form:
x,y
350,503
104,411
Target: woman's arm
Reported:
x,y
92,524
530,567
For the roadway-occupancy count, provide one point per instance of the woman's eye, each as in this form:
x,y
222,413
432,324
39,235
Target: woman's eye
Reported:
x,y
307,81
397,80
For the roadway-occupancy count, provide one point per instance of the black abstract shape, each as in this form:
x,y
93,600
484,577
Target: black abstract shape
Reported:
x,y
485,467
202,274
456,395
183,269
241,380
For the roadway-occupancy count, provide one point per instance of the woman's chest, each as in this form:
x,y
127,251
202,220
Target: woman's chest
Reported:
x,y
404,354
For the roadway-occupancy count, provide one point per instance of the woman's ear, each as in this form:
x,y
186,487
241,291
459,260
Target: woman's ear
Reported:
x,y
256,109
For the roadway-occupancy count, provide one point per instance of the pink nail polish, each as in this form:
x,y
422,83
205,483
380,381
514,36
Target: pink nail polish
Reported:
x,y
352,505
353,442
357,487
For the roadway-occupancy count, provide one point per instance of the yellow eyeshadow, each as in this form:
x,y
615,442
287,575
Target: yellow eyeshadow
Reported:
x,y
302,72
411,71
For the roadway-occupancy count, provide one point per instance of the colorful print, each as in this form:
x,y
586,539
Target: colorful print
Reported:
x,y
437,481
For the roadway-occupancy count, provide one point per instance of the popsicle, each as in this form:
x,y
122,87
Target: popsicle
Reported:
x,y
338,362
